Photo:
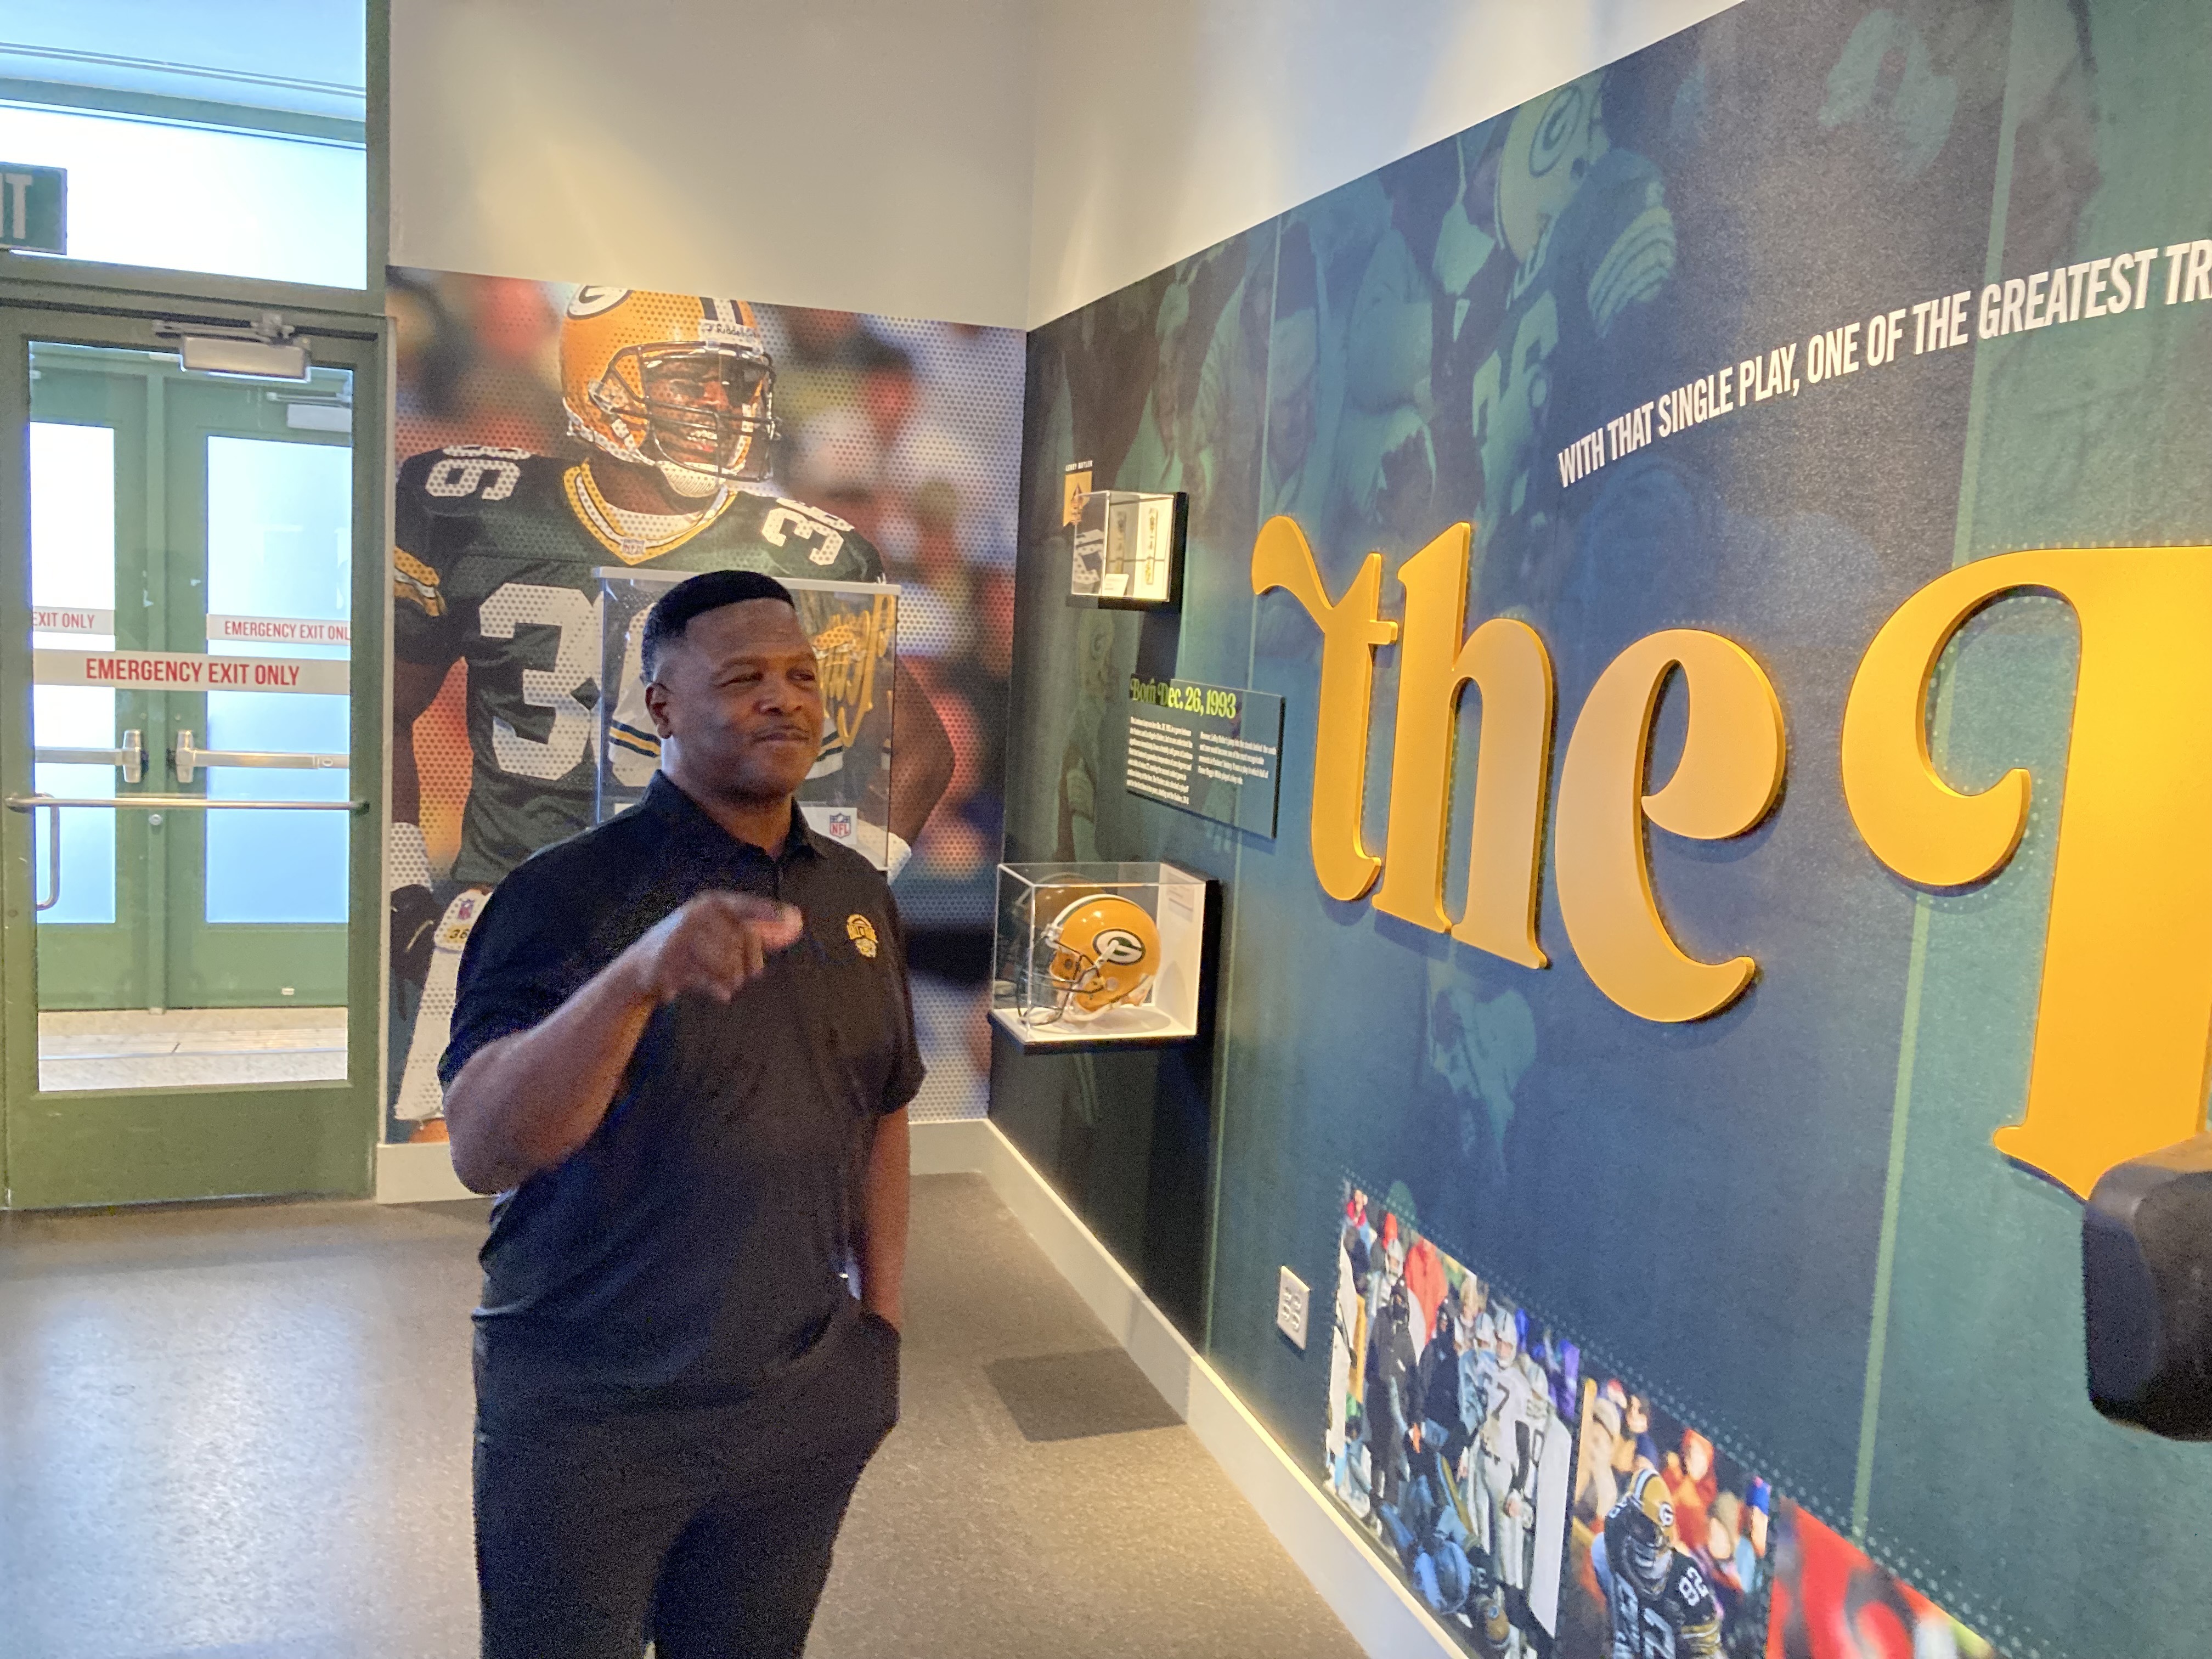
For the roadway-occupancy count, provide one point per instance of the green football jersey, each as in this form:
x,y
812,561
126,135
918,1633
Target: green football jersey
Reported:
x,y
494,556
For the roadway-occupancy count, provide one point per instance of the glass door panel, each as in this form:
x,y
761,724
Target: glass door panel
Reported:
x,y
279,553
189,945
73,603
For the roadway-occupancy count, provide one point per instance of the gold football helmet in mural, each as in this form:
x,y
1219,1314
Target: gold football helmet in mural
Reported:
x,y
1550,145
676,382
1105,954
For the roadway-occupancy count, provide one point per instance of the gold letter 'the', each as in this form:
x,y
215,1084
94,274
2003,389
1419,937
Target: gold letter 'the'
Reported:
x,y
1350,631
1506,663
1728,778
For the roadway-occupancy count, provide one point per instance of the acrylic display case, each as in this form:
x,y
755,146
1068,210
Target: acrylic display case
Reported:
x,y
854,627
1127,549
1091,954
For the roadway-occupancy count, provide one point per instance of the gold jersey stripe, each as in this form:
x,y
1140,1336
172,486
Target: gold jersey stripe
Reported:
x,y
597,514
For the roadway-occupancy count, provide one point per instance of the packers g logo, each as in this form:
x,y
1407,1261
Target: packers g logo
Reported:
x,y
1119,945
591,299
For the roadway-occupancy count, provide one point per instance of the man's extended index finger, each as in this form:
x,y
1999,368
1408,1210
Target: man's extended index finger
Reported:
x,y
776,924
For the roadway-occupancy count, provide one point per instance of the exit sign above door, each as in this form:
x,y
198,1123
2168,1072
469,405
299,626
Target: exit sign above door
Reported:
x,y
33,209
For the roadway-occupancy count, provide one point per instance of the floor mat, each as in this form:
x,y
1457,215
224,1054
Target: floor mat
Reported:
x,y
1071,1397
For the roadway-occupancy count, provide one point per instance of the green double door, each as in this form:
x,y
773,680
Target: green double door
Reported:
x,y
191,924
160,499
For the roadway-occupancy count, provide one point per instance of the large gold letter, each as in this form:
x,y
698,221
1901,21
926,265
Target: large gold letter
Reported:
x,y
1350,631
1508,665
2122,1023
1728,778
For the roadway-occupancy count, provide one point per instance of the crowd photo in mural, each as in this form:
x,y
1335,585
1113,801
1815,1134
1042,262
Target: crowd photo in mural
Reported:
x,y
1668,512
560,444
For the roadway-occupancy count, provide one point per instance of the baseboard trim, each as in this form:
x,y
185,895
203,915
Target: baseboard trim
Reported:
x,y
1381,1612
953,1146
417,1173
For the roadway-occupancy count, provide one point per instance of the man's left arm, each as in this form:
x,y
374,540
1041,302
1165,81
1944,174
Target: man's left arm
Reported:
x,y
883,1203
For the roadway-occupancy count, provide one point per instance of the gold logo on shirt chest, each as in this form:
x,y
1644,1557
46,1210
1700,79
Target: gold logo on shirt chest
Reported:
x,y
862,932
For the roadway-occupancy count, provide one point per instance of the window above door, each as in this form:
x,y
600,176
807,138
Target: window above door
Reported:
x,y
227,138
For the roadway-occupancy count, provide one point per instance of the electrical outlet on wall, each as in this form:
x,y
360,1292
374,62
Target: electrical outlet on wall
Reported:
x,y
1293,1301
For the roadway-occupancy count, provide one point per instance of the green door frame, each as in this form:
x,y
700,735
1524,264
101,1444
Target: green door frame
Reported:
x,y
105,1147
106,1130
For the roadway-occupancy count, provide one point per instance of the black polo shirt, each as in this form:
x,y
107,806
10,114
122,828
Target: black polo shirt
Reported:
x,y
695,1243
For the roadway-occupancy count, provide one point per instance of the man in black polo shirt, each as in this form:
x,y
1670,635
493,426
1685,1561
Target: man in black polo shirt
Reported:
x,y
682,1055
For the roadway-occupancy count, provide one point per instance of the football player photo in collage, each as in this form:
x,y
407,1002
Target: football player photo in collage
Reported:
x,y
1671,1539
1450,1432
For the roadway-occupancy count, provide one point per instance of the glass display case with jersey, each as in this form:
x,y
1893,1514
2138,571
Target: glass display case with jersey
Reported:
x,y
1092,954
854,627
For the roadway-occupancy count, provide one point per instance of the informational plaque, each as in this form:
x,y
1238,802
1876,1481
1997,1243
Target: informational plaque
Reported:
x,y
1210,749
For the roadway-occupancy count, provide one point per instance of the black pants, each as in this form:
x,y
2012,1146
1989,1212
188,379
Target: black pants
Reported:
x,y
709,1531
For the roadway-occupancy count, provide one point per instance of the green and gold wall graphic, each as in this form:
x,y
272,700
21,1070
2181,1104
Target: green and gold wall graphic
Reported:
x,y
1683,342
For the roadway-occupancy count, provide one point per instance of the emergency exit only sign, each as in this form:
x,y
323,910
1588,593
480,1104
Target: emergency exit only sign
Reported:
x,y
33,209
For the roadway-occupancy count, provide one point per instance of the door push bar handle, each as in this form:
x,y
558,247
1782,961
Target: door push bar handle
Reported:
x,y
181,804
53,854
51,806
132,757
187,759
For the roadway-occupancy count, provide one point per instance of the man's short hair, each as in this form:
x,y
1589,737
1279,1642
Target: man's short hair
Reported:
x,y
672,611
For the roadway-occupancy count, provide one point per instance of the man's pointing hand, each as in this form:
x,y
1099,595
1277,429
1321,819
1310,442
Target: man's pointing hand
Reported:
x,y
712,945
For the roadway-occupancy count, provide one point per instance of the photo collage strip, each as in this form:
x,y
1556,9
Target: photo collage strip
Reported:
x,y
1456,1416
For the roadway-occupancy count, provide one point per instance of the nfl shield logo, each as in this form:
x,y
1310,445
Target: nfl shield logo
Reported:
x,y
841,826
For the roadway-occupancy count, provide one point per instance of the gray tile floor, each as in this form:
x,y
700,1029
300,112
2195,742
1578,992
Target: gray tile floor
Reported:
x,y
242,1433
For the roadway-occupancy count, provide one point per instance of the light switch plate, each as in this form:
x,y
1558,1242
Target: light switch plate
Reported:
x,y
1294,1302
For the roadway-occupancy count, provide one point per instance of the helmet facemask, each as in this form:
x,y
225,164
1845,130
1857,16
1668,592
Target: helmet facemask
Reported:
x,y
702,413
1650,1537
1070,973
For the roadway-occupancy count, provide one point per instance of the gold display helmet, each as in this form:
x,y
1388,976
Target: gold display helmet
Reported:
x,y
1105,954
677,381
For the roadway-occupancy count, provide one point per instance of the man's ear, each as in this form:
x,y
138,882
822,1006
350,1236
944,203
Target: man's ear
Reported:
x,y
656,704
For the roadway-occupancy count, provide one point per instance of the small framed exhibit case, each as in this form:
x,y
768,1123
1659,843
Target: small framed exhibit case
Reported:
x,y
1093,954
1128,548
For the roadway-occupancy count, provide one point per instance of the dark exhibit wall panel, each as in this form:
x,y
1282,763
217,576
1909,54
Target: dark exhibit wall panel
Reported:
x,y
1757,333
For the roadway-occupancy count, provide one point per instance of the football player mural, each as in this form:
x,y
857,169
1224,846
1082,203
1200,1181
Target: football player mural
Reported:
x,y
672,461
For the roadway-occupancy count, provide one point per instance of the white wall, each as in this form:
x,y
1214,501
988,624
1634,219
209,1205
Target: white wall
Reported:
x,y
863,155
1166,125
987,161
